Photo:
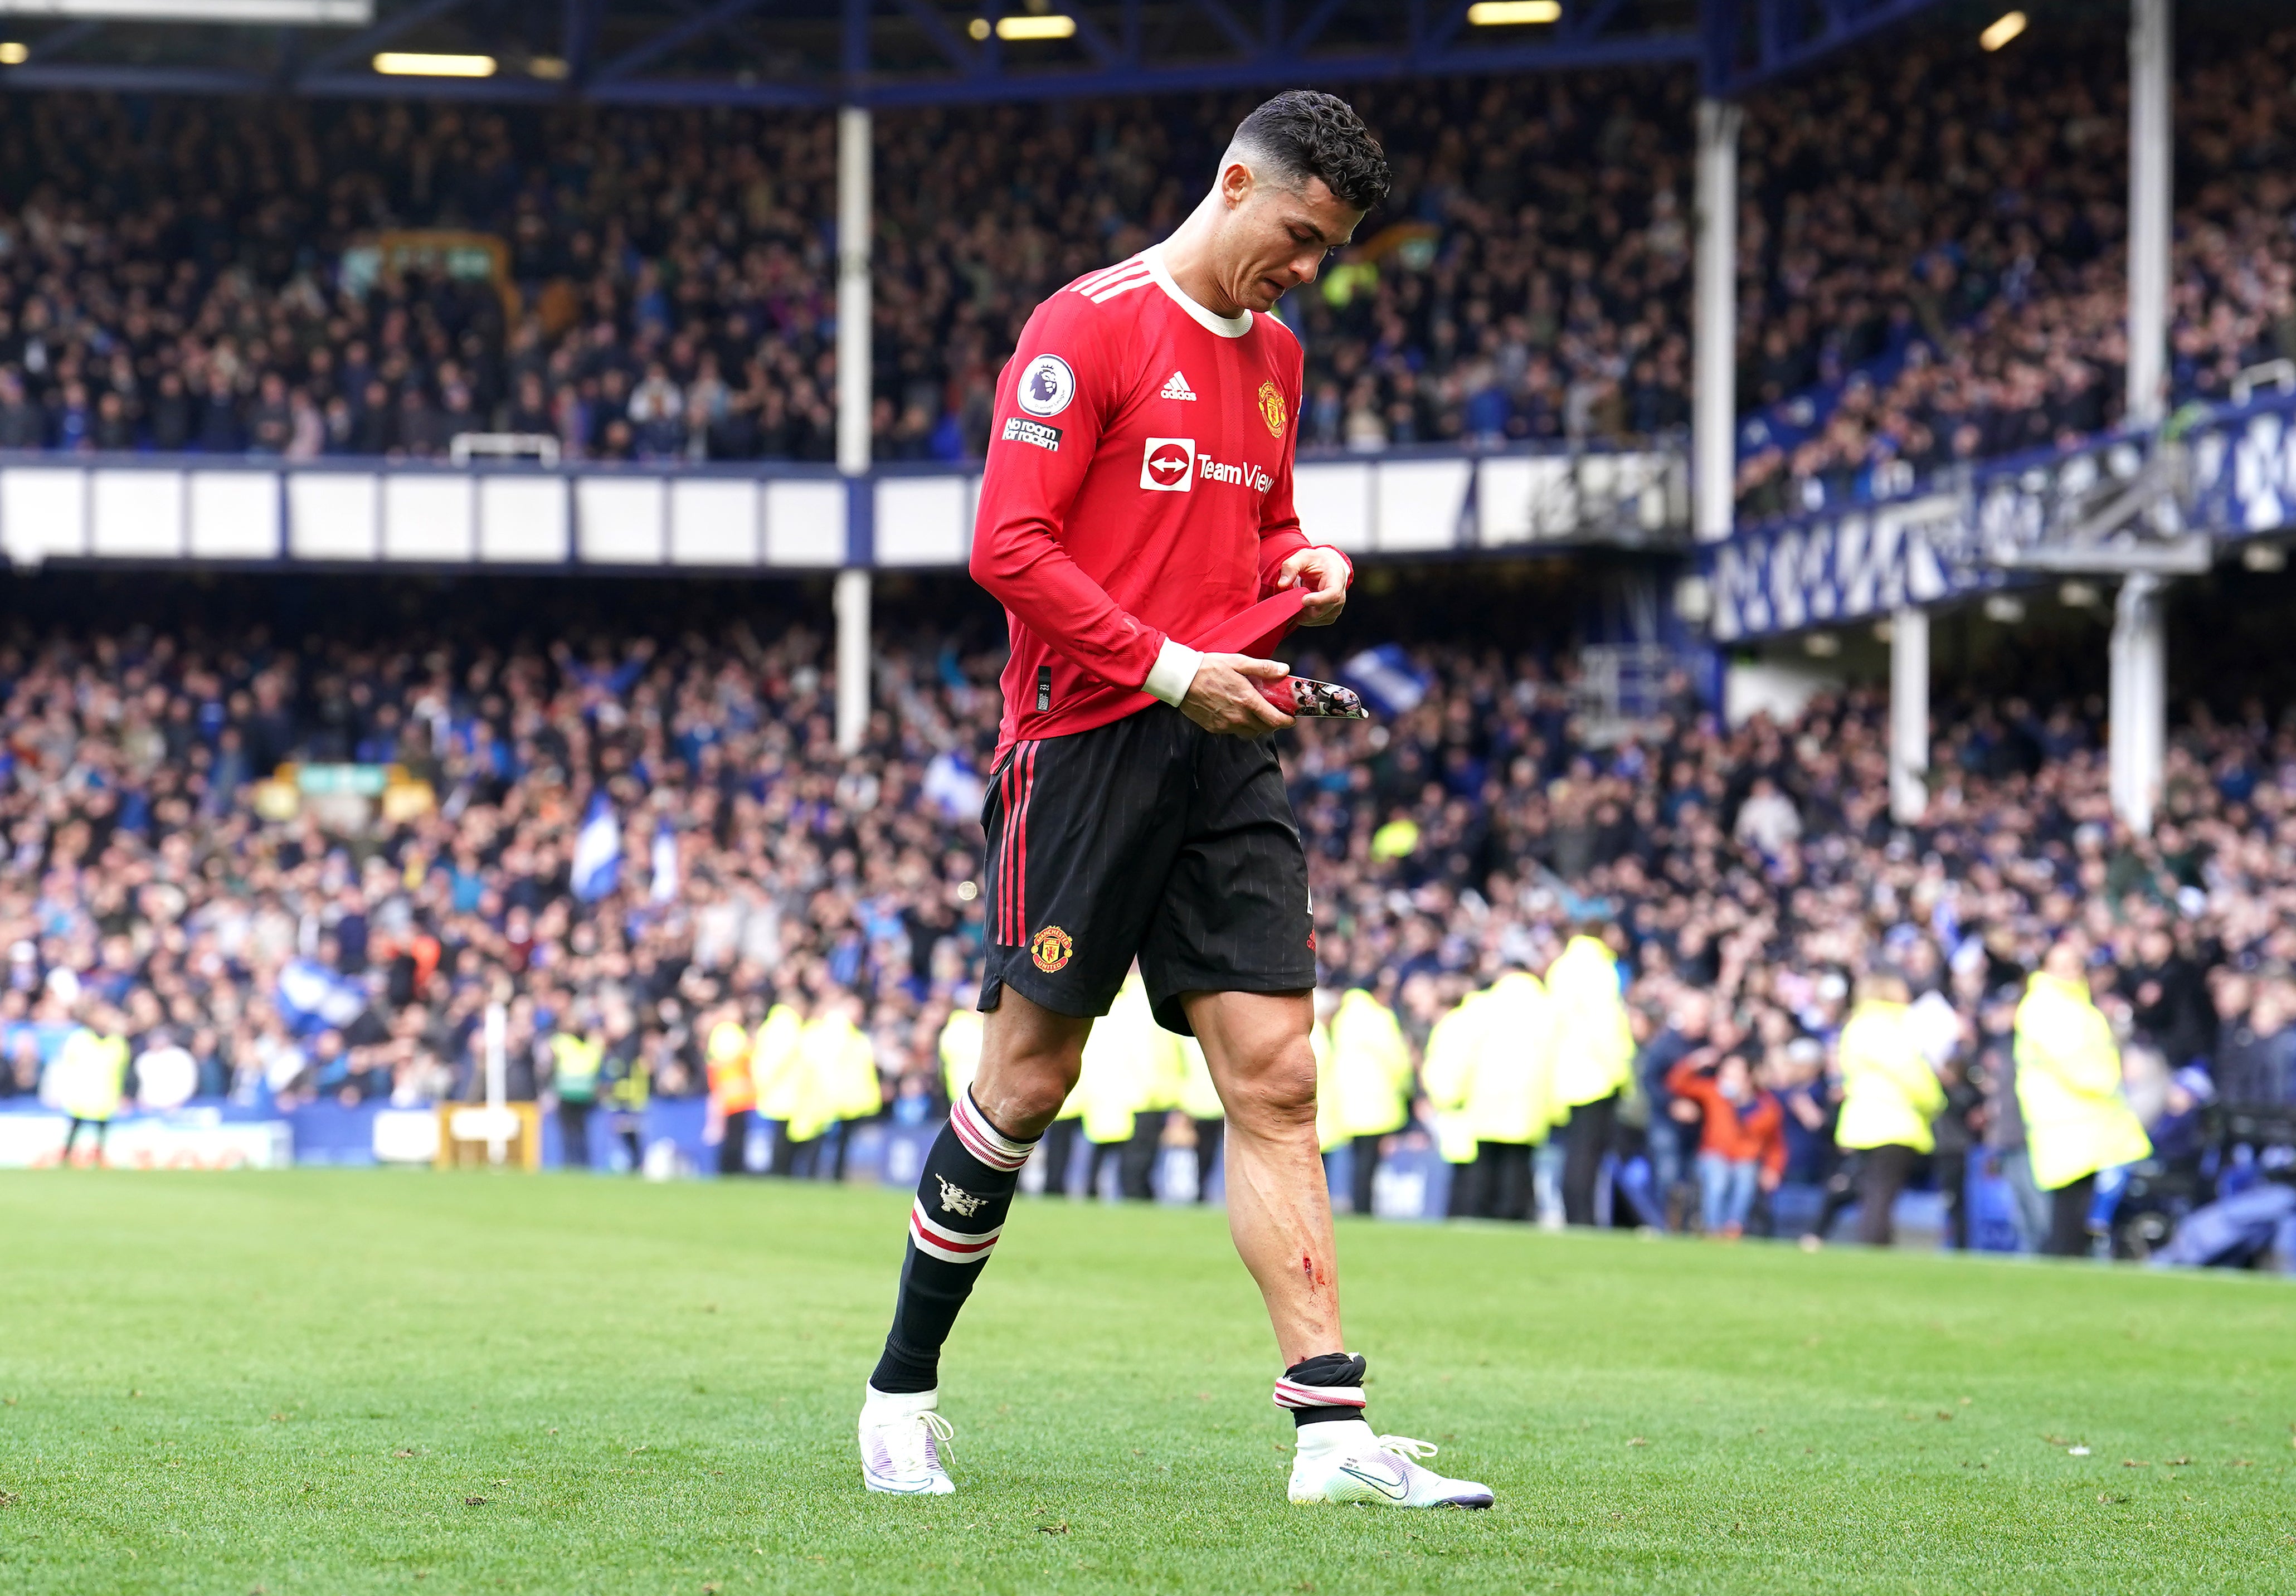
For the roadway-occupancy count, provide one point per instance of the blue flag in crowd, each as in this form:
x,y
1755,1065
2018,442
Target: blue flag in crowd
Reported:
x,y
597,852
1386,677
665,862
313,998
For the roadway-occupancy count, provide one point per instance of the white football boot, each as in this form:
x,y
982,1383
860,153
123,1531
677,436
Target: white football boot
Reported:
x,y
902,1437
1354,1465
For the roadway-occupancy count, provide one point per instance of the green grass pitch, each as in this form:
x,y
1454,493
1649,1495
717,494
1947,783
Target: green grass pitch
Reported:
x,y
353,1381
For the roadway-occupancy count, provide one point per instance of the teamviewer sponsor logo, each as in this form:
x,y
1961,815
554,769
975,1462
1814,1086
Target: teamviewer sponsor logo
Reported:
x,y
1168,465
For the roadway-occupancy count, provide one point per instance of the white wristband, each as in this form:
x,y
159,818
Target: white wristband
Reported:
x,y
1174,672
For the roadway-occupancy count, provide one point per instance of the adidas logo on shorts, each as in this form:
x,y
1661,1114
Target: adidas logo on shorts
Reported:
x,y
1175,387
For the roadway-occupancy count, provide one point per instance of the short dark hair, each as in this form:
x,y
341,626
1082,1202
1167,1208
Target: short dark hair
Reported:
x,y
1301,134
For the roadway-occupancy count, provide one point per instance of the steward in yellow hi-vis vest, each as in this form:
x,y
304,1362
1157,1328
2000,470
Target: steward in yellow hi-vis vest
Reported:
x,y
89,1074
1594,1061
1199,1099
1594,1043
960,1049
1126,1084
576,1055
1890,1094
1371,1081
773,1060
1490,1070
2068,1089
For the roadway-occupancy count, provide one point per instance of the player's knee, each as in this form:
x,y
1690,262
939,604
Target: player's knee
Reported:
x,y
1276,1093
1020,1094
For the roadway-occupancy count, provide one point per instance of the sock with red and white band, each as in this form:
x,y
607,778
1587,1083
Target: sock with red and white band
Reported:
x,y
1323,1389
963,1196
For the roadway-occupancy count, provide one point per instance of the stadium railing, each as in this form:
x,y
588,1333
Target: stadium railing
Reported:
x,y
751,517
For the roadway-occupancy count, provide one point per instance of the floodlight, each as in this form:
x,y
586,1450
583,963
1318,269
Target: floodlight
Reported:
x,y
406,63
324,14
2002,31
1503,13
1053,27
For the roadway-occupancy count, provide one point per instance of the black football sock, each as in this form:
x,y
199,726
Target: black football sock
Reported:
x,y
1327,1386
961,1197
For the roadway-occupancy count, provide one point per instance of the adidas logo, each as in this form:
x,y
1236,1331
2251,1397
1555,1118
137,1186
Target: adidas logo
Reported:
x,y
1175,387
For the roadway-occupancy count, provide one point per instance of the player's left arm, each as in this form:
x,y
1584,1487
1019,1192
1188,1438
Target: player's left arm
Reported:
x,y
1287,559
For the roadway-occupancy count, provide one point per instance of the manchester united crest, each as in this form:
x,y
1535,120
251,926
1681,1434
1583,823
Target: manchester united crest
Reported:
x,y
1271,408
1050,948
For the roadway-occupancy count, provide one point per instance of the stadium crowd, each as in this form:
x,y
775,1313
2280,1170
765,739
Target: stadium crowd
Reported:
x,y
1929,258
652,853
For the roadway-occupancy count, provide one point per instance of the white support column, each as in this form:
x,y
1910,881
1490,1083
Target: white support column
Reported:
x,y
498,1064
2140,699
853,374
2152,140
1909,715
2140,654
1714,417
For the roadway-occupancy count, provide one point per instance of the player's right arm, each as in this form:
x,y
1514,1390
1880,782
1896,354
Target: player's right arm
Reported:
x,y
1056,399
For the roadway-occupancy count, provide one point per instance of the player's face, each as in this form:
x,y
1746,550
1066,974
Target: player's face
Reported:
x,y
1277,238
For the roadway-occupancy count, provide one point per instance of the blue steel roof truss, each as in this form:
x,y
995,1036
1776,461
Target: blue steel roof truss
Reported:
x,y
1749,43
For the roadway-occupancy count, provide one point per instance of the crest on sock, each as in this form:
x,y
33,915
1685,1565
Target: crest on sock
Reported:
x,y
958,1200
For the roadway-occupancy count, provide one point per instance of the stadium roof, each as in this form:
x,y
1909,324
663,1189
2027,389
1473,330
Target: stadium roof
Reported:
x,y
810,53
822,52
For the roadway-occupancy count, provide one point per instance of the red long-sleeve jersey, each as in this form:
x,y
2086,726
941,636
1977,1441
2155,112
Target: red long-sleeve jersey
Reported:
x,y
1138,488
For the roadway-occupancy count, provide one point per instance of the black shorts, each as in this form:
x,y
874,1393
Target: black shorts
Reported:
x,y
1148,838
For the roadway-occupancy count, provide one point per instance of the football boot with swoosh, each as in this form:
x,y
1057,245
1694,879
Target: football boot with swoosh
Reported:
x,y
1379,1471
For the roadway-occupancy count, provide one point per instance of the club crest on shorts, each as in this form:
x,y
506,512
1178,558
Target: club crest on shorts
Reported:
x,y
958,1200
1271,408
1050,948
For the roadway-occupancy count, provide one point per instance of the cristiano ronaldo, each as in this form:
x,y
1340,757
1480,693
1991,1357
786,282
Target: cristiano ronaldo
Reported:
x,y
1136,523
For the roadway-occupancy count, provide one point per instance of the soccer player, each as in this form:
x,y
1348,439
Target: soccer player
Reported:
x,y
1138,495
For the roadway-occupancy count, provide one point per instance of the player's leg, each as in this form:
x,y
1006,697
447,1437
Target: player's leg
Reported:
x,y
1079,829
1280,1213
1279,1208
1030,1057
1229,957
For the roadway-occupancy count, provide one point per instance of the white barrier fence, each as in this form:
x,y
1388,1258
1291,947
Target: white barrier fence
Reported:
x,y
122,509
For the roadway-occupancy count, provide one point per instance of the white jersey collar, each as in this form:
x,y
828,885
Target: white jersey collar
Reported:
x,y
1226,326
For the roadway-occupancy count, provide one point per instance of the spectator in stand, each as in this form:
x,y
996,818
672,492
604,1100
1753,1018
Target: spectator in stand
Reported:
x,y
1742,1148
152,854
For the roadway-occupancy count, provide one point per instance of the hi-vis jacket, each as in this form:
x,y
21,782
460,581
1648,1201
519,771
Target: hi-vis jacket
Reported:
x,y
837,1076
575,1062
90,1073
960,1050
773,1062
1889,1091
2076,1122
1197,1097
1593,1044
1371,1067
1130,1063
1490,1068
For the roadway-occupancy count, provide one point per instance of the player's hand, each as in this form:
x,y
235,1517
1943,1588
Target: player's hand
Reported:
x,y
1222,699
1324,573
